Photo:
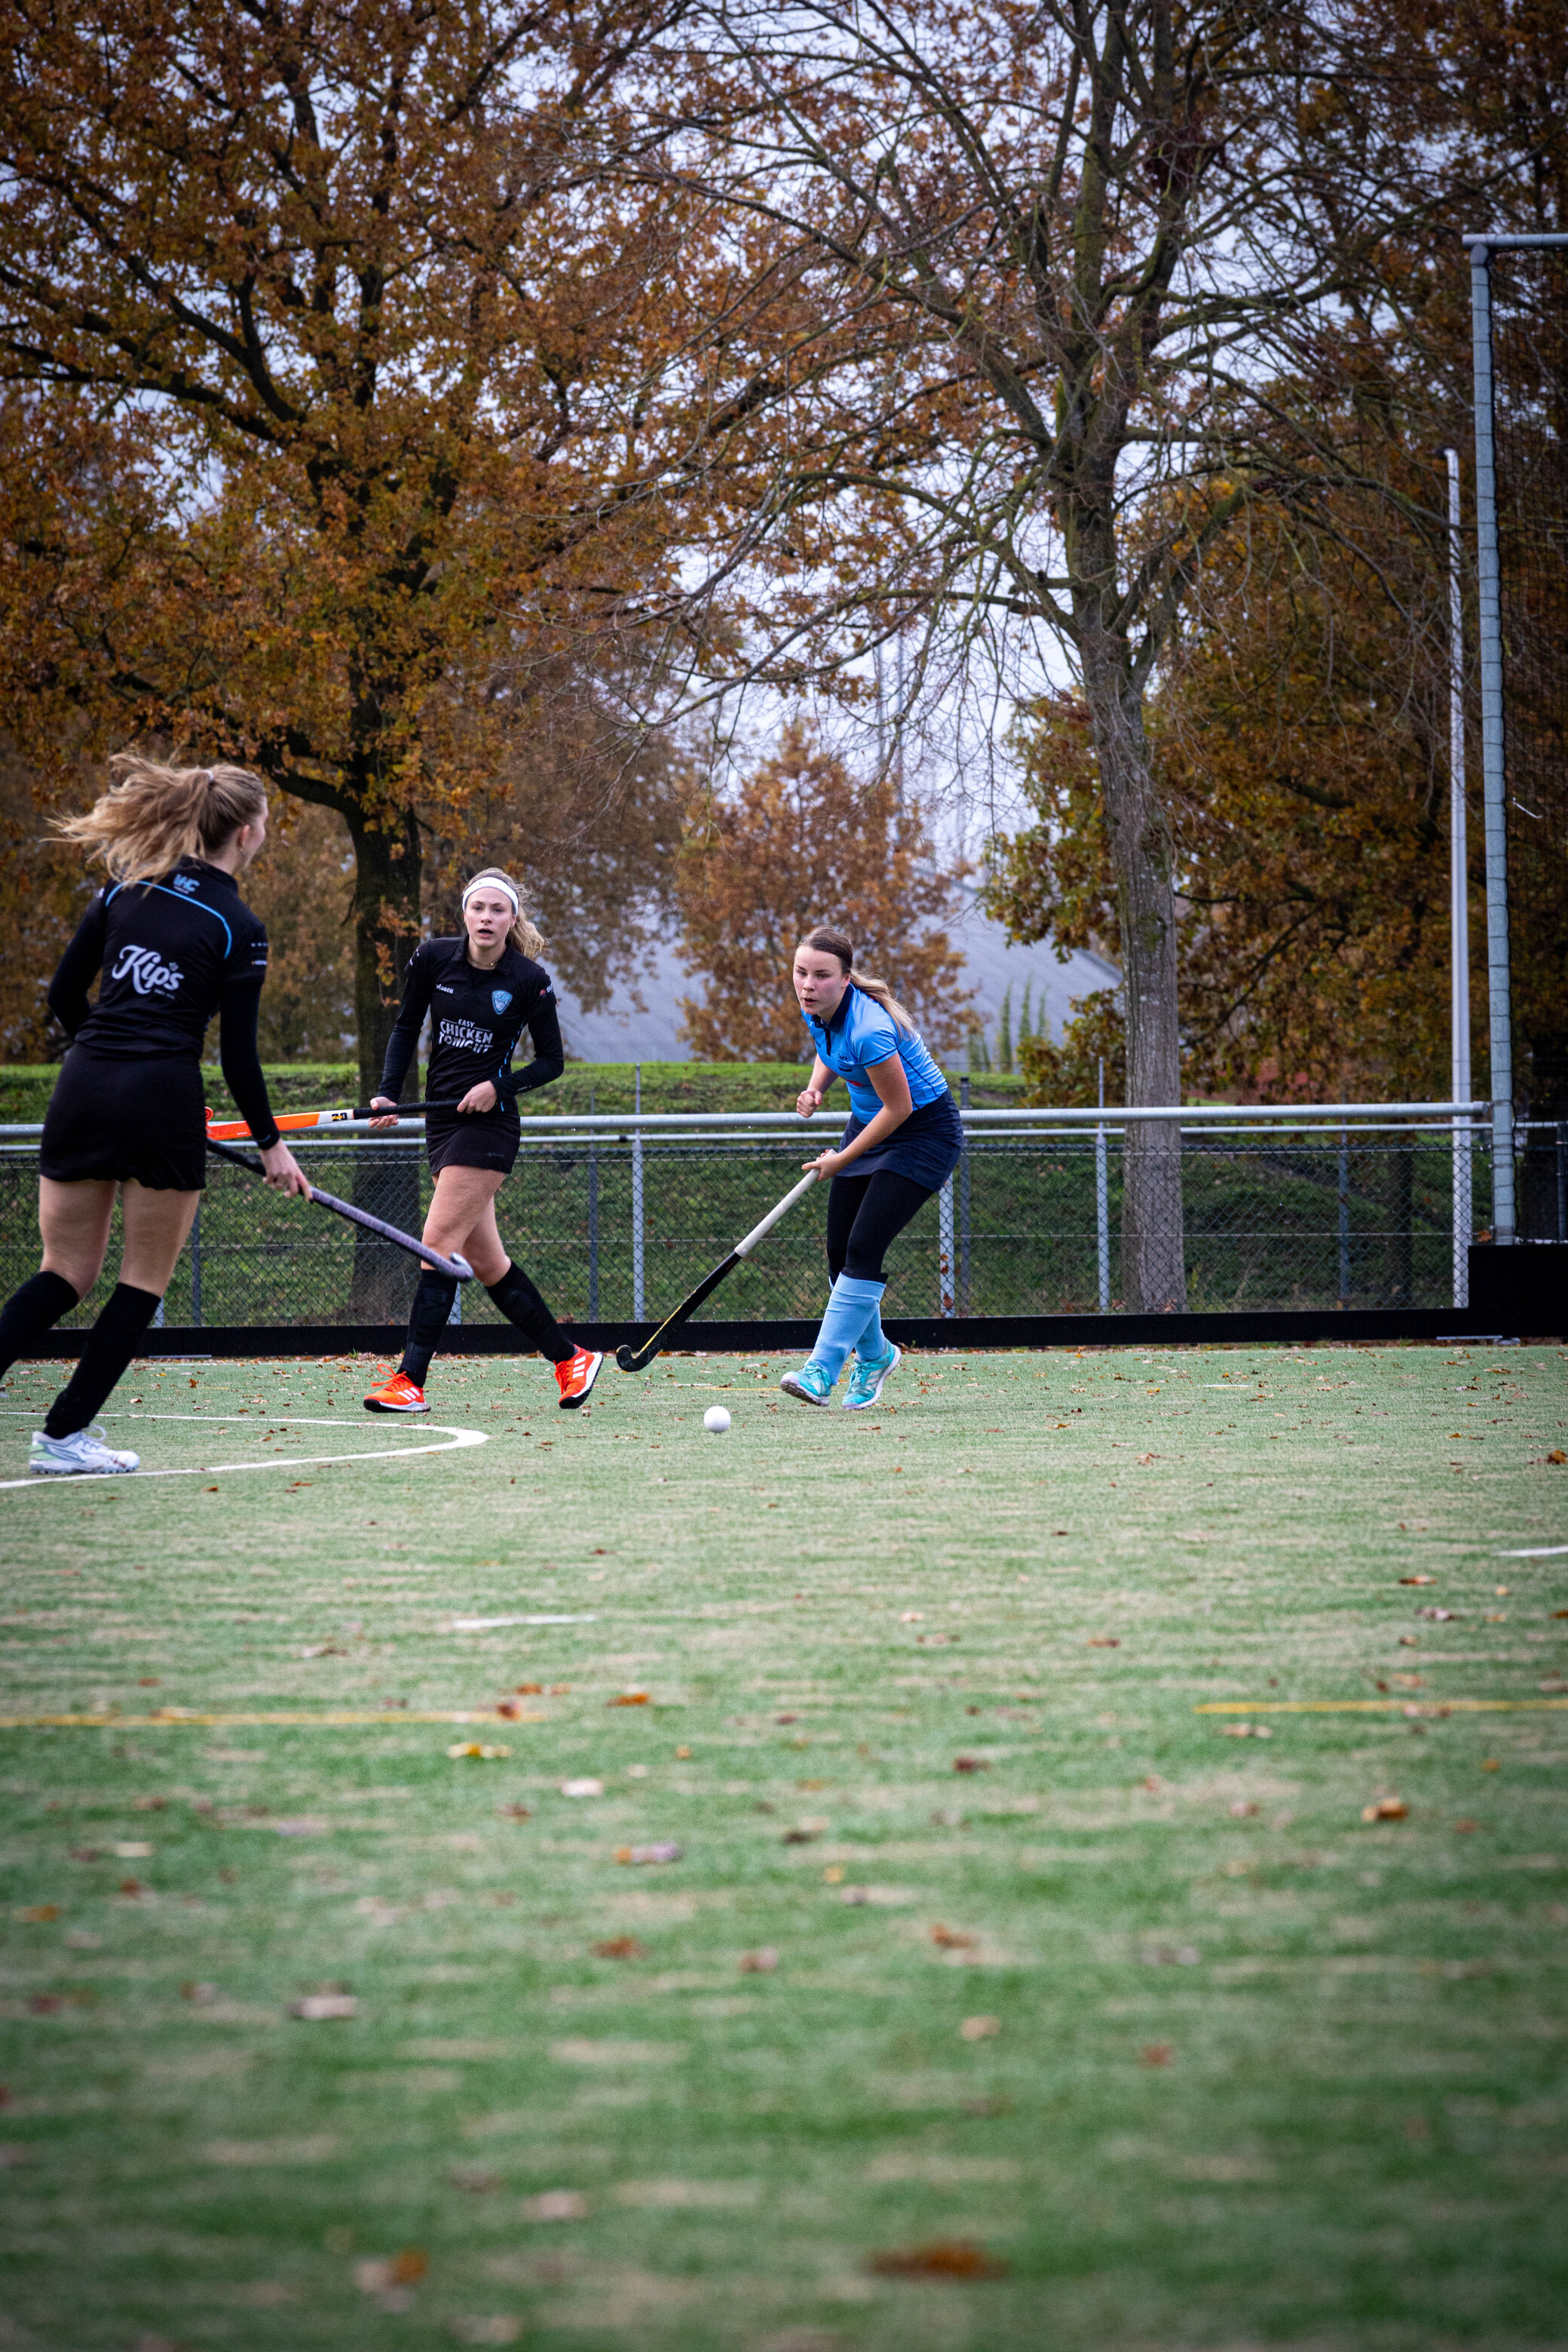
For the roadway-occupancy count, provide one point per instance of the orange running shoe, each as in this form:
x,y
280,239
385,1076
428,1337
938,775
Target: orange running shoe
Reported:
x,y
576,1377
399,1395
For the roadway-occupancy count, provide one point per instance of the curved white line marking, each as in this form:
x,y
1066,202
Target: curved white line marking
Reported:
x,y
454,1438
1536,1552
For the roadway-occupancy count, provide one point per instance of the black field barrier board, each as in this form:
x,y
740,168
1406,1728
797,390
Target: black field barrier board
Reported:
x,y
934,1333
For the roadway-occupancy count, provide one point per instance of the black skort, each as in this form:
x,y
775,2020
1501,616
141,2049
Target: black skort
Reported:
x,y
485,1139
141,1120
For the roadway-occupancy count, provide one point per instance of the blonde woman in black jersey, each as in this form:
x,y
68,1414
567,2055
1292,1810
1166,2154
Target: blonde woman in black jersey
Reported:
x,y
174,943
480,989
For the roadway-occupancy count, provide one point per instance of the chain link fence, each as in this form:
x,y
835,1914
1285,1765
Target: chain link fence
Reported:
x,y
618,1227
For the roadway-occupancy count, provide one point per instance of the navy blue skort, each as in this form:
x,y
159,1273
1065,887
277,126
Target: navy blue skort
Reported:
x,y
926,1149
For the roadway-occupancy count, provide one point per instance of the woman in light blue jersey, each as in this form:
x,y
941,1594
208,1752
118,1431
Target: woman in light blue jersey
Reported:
x,y
901,1145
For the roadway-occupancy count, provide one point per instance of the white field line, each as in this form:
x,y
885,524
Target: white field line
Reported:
x,y
1536,1552
452,1439
483,1624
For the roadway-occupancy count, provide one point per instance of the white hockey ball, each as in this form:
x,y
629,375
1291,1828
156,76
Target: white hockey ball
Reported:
x,y
716,1420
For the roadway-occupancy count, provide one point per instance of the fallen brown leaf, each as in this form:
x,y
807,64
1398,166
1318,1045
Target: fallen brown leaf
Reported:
x,y
761,1963
404,2270
629,1698
952,2258
1386,1809
971,1764
620,1948
37,1912
663,1850
1156,2053
954,1939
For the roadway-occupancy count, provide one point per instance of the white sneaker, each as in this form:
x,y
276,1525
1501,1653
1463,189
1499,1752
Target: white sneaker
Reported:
x,y
81,1455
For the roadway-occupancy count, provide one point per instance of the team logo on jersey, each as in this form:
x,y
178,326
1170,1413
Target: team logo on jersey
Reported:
x,y
147,972
501,998
187,883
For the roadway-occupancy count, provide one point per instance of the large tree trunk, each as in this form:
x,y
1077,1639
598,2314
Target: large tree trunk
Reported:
x,y
1153,1269
386,1179
387,869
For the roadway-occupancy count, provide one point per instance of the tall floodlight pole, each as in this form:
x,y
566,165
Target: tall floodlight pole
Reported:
x,y
1489,631
1458,896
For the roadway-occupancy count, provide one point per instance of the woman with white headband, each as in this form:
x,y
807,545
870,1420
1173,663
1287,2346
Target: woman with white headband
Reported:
x,y
481,992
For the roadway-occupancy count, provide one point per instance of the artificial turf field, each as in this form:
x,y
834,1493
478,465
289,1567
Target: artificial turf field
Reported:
x,y
990,1996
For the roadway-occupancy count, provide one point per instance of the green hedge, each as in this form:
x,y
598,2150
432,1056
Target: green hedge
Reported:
x,y
24,1089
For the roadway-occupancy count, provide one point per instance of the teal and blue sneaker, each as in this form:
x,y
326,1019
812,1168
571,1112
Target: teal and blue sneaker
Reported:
x,y
866,1380
810,1385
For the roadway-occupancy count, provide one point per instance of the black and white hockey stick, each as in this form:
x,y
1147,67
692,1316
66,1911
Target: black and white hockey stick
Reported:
x,y
632,1360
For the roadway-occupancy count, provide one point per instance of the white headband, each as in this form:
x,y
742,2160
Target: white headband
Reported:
x,y
494,882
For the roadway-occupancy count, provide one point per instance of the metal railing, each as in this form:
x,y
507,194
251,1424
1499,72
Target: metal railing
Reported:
x,y
615,1216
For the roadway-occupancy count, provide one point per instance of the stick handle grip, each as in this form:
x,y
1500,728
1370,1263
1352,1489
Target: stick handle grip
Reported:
x,y
780,1208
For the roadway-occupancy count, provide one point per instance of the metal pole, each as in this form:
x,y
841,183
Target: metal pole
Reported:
x,y
593,1219
1488,624
636,1209
196,1267
966,1290
1458,894
1562,1181
947,1305
1344,1217
1102,1203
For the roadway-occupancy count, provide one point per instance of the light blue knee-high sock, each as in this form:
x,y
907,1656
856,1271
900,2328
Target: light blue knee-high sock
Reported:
x,y
850,1308
872,1346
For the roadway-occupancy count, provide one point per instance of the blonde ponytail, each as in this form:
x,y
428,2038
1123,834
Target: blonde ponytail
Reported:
x,y
153,816
833,943
524,934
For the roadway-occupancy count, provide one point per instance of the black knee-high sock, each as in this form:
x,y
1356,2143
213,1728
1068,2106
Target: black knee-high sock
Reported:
x,y
428,1318
110,1344
521,1304
31,1311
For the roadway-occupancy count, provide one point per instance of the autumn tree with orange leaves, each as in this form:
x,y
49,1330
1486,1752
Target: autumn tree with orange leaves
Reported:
x,y
325,356
802,843
1030,280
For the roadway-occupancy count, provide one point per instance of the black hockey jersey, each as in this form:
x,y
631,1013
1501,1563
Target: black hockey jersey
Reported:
x,y
168,951
172,954
476,1020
